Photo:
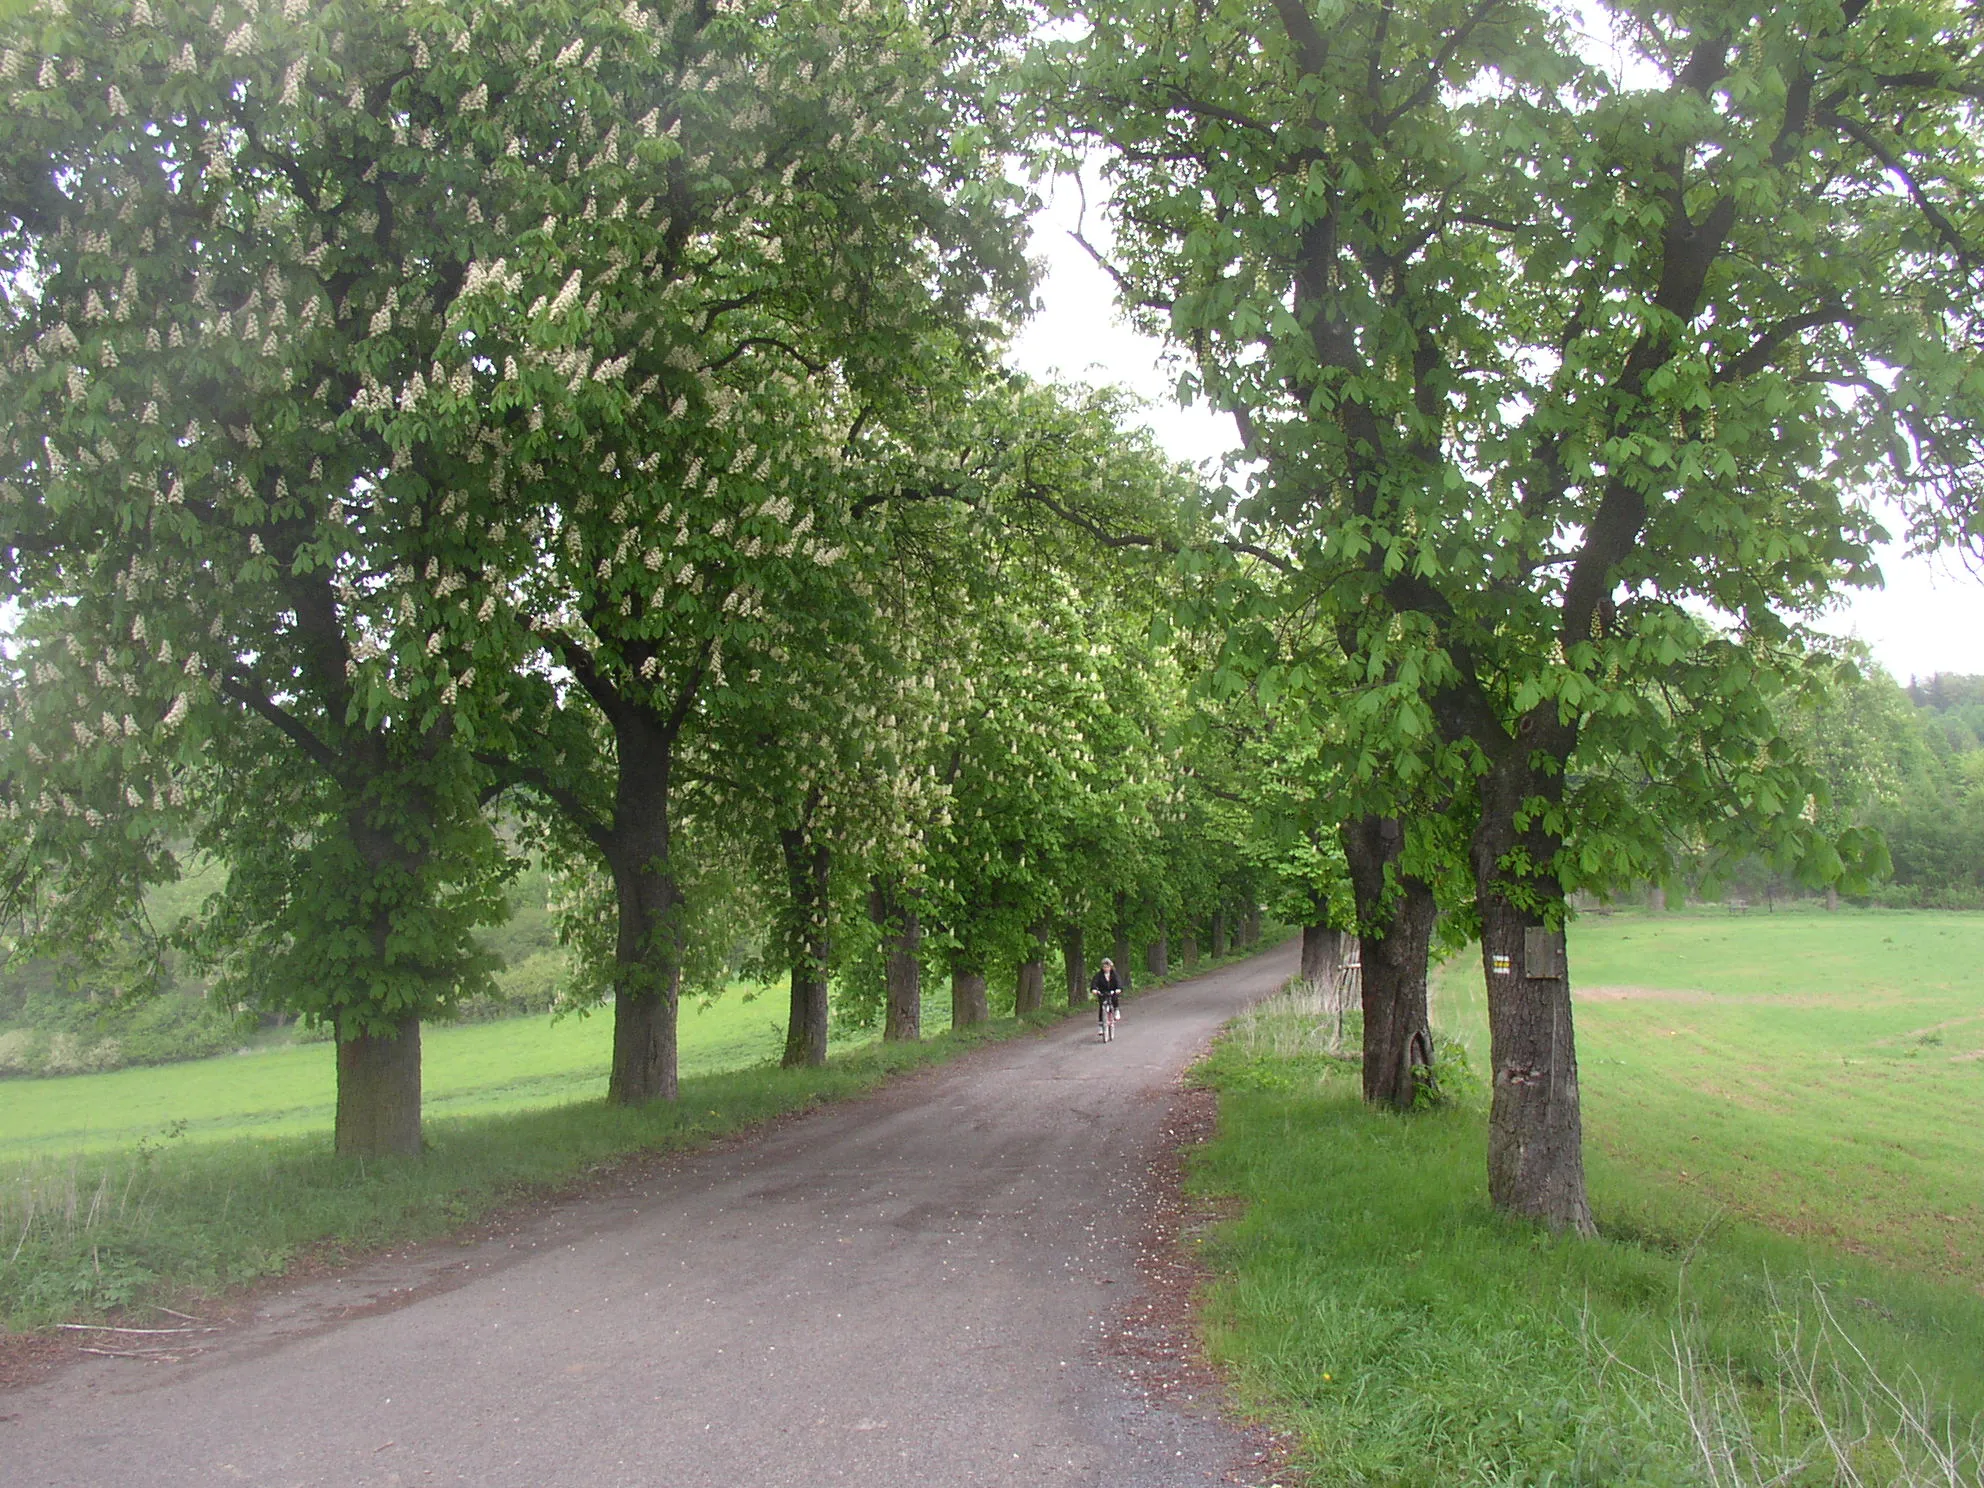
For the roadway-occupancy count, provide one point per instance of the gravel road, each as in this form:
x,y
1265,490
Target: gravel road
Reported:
x,y
917,1288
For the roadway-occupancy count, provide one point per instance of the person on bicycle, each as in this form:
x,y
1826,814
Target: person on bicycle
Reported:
x,y
1107,990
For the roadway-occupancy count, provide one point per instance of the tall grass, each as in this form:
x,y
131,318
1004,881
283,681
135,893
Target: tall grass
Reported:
x,y
1834,1415
1370,1301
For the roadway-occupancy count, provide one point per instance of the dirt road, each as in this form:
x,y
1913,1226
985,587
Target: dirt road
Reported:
x,y
917,1288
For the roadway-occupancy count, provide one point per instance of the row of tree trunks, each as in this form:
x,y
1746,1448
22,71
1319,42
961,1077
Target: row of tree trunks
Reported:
x,y
901,939
1395,914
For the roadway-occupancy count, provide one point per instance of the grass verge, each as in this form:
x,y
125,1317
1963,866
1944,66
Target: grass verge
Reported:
x,y
1370,1303
173,1184
172,1223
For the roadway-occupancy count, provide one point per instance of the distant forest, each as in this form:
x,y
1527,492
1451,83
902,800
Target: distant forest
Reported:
x,y
1934,818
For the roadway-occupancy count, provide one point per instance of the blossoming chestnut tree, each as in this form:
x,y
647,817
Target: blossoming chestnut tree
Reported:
x,y
1555,327
360,355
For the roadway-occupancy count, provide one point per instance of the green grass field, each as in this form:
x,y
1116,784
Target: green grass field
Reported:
x,y
519,1064
178,1182
1774,1141
170,1184
1822,1075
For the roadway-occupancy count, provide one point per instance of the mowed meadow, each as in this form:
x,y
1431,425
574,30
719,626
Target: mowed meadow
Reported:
x,y
174,1183
1819,1074
1786,1163
473,1069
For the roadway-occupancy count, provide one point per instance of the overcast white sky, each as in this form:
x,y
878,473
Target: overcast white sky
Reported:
x,y
1928,618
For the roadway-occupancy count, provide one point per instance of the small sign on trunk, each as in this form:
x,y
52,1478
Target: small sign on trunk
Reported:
x,y
1543,953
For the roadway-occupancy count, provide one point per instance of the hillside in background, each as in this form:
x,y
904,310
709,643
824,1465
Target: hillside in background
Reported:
x,y
146,1005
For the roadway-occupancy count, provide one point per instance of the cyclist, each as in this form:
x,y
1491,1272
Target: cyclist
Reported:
x,y
1107,990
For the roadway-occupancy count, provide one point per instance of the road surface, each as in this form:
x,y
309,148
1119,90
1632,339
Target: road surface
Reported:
x,y
917,1288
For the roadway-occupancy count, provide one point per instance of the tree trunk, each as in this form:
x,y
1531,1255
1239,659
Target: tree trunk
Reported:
x,y
809,875
644,1054
1322,953
1250,925
1188,952
378,1072
1535,1133
1218,933
1832,898
1656,899
1395,930
647,952
378,1102
1030,987
969,1008
1074,961
902,934
1398,1037
969,1004
1157,956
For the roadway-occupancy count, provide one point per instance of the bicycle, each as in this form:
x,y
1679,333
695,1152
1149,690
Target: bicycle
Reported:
x,y
1111,1012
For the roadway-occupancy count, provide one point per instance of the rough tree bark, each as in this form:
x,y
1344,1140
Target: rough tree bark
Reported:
x,y
1395,914
1157,956
809,875
1074,961
1219,945
1250,925
1322,951
1030,985
902,936
378,1099
1535,1134
647,953
969,1006
1188,951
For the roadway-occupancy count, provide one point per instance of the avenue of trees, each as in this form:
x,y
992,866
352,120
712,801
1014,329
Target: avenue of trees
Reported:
x,y
445,437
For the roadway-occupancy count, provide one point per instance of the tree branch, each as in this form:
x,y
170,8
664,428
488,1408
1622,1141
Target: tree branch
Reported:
x,y
772,341
1436,69
1758,355
238,686
514,772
